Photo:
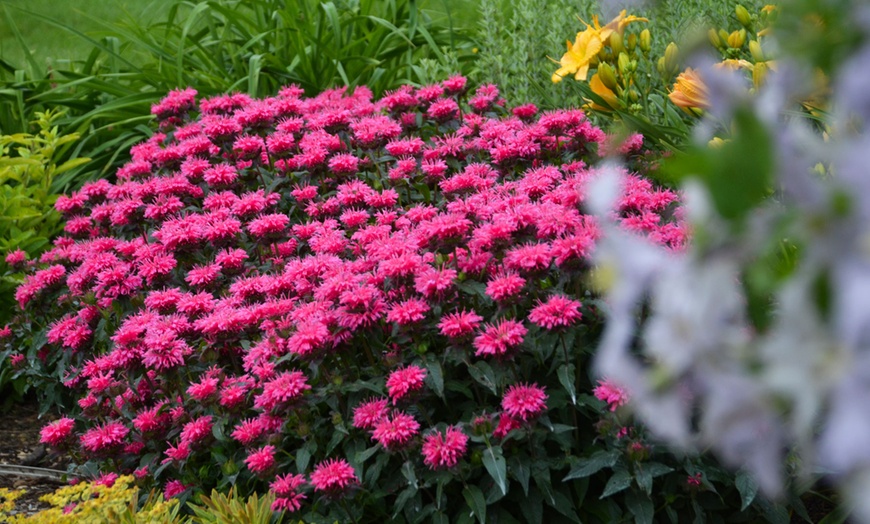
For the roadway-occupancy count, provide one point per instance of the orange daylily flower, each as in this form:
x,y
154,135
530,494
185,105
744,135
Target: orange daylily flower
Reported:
x,y
690,94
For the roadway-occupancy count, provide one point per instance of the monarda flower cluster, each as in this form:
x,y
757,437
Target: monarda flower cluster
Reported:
x,y
291,277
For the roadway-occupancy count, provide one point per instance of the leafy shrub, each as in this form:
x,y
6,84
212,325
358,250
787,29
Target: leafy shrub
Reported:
x,y
341,298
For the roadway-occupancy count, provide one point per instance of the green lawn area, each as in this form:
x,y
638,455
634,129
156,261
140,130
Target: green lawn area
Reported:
x,y
49,44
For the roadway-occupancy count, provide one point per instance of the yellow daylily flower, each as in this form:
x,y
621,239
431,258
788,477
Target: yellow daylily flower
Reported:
x,y
735,64
576,59
610,98
690,94
617,25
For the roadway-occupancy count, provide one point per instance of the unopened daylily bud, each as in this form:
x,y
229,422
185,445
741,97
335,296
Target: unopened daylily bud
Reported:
x,y
743,16
660,66
633,94
736,39
755,50
672,59
616,43
759,73
631,42
624,64
723,36
645,40
607,76
714,38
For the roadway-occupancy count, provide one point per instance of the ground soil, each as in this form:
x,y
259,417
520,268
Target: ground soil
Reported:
x,y
19,445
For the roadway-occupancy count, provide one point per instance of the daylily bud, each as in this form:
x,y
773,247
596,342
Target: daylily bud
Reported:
x,y
607,76
672,59
616,43
714,38
736,39
645,40
631,43
660,66
723,36
755,50
624,64
759,73
633,94
743,16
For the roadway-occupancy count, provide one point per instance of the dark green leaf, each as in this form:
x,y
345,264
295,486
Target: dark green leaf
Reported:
x,y
476,501
641,507
566,378
495,464
620,480
435,377
595,463
747,487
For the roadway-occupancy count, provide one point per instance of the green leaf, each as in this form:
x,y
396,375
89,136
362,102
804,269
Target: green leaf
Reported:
x,y
495,464
435,377
520,470
641,507
566,378
620,480
303,455
483,374
596,462
476,501
747,487
403,499
532,507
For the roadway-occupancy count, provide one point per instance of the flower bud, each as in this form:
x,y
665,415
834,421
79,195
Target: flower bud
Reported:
x,y
633,95
755,50
660,66
645,40
714,38
759,73
631,43
607,76
623,63
736,39
723,36
672,59
743,16
616,43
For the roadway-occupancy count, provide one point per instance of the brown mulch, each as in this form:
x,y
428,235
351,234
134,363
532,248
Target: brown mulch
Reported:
x,y
19,445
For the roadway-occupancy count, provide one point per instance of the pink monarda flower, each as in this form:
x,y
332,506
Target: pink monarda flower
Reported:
x,y
261,461
504,287
524,401
196,431
460,324
344,164
105,437
558,311
609,392
405,381
268,225
173,488
333,477
500,339
286,490
395,432
16,258
408,311
369,413
444,450
282,391
57,433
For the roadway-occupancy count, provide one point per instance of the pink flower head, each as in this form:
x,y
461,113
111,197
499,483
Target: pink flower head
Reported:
x,y
460,324
524,401
500,339
287,492
333,477
105,437
173,488
395,432
57,433
444,450
261,461
369,413
405,381
557,311
408,311
609,392
506,424
16,258
282,391
197,430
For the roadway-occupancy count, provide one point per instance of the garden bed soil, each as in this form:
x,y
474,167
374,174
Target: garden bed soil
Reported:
x,y
19,446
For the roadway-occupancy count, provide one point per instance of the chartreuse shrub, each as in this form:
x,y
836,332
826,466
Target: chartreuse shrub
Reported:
x,y
374,309
28,165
